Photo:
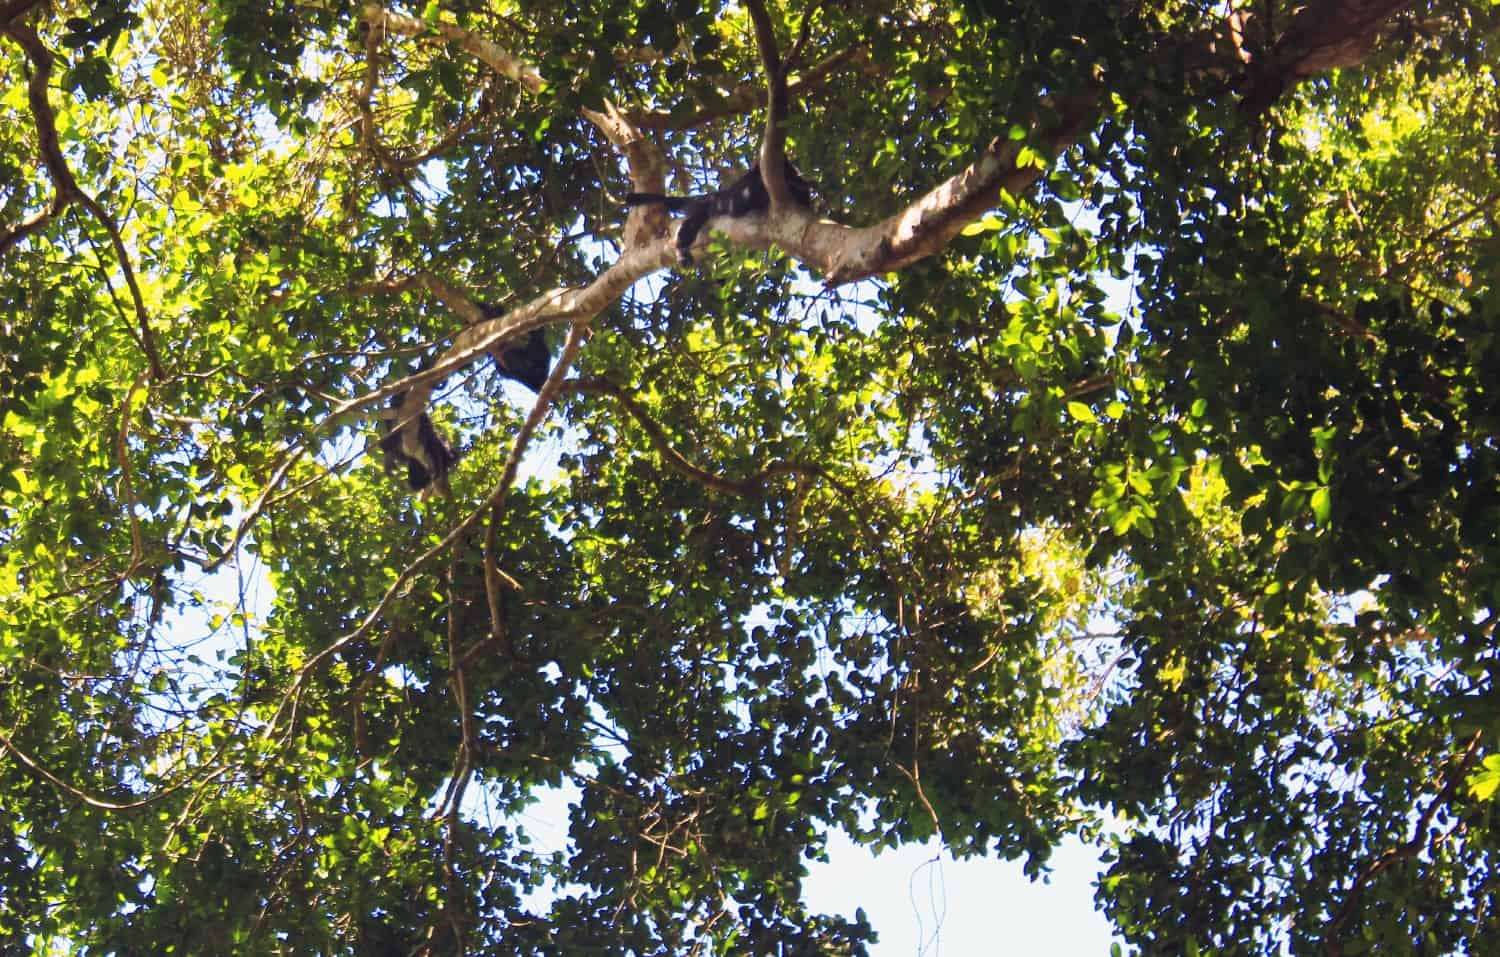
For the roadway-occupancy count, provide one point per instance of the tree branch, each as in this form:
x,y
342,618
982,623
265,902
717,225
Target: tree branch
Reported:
x,y
66,188
647,167
544,401
1332,946
843,253
496,57
749,487
1322,36
848,254
78,794
746,96
16,9
773,141
559,305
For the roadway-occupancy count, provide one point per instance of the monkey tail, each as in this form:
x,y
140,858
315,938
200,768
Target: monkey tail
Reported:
x,y
673,203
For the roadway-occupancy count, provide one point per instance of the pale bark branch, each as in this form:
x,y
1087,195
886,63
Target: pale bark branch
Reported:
x,y
647,167
1335,32
544,401
559,305
496,57
848,254
1322,36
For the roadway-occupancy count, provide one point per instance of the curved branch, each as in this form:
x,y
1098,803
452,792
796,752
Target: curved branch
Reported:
x,y
364,100
398,163
16,9
36,768
544,401
933,220
496,57
562,304
1332,946
1322,36
749,487
648,169
747,96
752,486
142,334
645,162
66,188
773,142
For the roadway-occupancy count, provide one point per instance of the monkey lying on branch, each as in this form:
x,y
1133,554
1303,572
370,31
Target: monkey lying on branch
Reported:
x,y
744,196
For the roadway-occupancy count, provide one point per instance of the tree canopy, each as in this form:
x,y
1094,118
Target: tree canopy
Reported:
x,y
1110,449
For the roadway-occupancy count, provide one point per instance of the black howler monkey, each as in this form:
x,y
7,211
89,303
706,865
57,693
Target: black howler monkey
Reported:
x,y
744,196
528,361
421,448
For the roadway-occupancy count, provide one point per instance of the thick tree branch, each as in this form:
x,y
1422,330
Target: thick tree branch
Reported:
x,y
559,305
484,334
843,253
577,332
847,254
65,188
647,168
16,9
1322,36
496,57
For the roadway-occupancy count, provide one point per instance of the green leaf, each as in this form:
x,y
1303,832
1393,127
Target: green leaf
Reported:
x,y
1029,536
986,225
1485,782
1322,504
1082,412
